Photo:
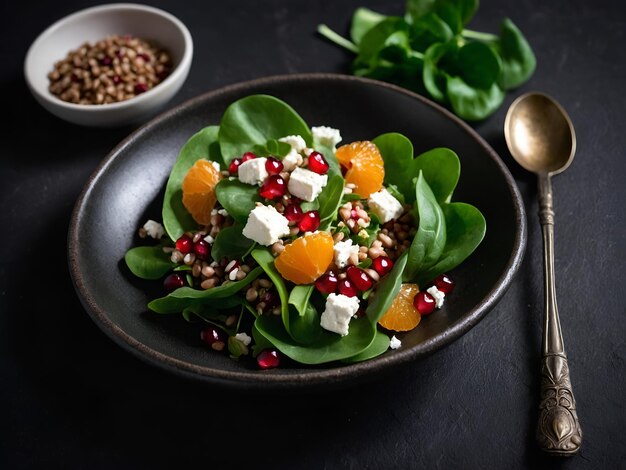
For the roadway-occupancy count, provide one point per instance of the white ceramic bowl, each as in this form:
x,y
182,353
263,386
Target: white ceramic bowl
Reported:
x,y
93,24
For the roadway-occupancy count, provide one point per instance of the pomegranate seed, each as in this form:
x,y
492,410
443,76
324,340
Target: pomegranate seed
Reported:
x,y
444,283
116,79
247,156
382,265
141,88
347,288
293,212
309,222
318,164
233,264
202,249
273,187
214,337
106,60
354,214
327,284
173,281
424,303
359,278
273,166
233,168
268,359
270,299
184,244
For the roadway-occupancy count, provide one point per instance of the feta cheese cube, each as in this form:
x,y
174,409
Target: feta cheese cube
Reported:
x,y
216,166
337,313
385,206
265,225
153,229
343,251
306,184
395,343
244,338
326,136
297,142
437,295
292,160
253,171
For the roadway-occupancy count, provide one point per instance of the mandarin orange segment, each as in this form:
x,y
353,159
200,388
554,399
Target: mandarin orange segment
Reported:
x,y
401,314
199,190
306,258
364,166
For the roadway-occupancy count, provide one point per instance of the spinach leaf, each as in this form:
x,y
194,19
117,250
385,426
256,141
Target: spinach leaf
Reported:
x,y
230,243
386,291
378,346
329,201
466,228
299,297
148,262
266,262
203,144
256,119
430,239
473,104
518,59
183,297
272,147
304,320
237,198
363,20
479,65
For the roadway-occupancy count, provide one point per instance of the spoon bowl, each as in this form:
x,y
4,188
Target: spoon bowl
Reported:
x,y
540,134
541,138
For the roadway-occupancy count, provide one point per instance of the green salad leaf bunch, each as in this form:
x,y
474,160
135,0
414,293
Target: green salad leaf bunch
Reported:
x,y
446,234
429,50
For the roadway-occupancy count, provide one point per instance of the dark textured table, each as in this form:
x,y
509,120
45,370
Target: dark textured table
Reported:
x,y
71,398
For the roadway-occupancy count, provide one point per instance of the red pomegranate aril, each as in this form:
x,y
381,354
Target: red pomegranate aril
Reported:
x,y
233,264
233,168
293,212
346,288
270,299
214,337
444,283
247,156
310,221
382,265
184,244
317,163
268,359
327,283
273,166
173,281
202,249
424,303
141,88
359,278
273,187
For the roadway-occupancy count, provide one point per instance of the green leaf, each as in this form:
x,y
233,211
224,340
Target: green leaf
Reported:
x,y
184,297
430,239
363,20
386,291
466,228
237,198
518,59
376,39
434,79
329,201
479,65
256,119
203,144
266,262
148,262
473,104
230,243
377,347
299,297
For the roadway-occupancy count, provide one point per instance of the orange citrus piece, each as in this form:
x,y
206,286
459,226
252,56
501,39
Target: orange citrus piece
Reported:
x,y
306,258
401,314
364,166
199,190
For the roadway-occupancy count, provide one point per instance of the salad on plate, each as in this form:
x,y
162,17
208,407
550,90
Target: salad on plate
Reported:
x,y
285,243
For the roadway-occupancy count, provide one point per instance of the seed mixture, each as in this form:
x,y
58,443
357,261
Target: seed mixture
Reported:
x,y
111,70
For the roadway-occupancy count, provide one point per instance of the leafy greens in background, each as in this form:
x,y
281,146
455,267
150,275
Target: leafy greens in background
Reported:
x,y
428,50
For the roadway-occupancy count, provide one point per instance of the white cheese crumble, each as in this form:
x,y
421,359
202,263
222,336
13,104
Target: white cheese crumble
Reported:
x,y
296,141
265,225
244,338
306,184
343,251
292,160
153,229
216,166
437,295
253,171
337,313
395,343
209,239
385,206
326,136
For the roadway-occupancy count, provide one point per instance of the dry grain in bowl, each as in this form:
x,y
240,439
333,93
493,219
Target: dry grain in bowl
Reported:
x,y
110,70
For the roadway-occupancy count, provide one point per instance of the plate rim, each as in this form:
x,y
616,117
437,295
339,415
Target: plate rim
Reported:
x,y
251,379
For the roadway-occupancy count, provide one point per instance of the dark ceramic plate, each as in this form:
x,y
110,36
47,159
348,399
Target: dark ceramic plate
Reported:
x,y
127,189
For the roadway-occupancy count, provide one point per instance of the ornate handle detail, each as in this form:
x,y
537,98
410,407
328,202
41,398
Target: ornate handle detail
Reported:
x,y
558,429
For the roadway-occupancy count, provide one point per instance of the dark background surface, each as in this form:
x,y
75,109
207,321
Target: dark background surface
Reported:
x,y
71,398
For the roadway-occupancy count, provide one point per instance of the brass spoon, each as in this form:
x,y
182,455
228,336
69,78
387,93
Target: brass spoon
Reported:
x,y
541,138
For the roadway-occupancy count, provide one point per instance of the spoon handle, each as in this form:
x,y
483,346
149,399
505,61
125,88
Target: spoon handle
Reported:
x,y
558,429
